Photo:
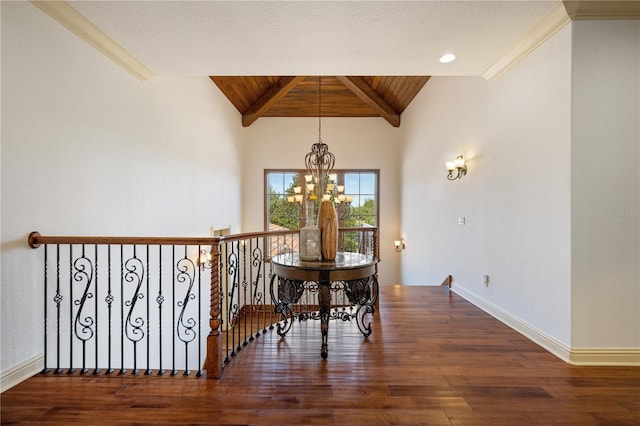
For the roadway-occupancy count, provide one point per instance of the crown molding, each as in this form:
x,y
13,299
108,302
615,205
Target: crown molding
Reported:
x,y
565,12
543,31
602,9
68,16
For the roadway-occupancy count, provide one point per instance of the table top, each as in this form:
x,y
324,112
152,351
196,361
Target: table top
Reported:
x,y
346,266
344,260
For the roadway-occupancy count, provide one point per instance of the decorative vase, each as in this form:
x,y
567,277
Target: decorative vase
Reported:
x,y
310,247
328,223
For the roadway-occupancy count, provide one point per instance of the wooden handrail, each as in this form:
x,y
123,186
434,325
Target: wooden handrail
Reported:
x,y
358,229
35,240
249,235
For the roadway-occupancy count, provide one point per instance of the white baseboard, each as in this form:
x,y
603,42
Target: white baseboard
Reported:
x,y
606,356
21,372
581,356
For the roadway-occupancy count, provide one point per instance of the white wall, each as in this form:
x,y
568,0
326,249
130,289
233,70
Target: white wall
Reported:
x,y
552,198
515,134
606,184
357,143
89,150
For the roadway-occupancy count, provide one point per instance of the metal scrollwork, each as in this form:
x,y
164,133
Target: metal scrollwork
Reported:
x,y
134,274
289,291
312,286
83,273
364,293
257,263
358,291
232,272
186,274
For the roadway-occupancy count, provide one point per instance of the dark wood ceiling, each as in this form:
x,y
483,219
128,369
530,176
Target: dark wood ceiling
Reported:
x,y
341,96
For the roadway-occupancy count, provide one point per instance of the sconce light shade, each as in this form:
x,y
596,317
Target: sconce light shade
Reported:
x,y
204,260
456,168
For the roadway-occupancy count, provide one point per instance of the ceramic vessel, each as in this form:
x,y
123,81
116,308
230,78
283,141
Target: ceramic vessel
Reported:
x,y
328,223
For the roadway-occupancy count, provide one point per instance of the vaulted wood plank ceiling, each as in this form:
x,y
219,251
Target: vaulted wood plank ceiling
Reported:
x,y
340,96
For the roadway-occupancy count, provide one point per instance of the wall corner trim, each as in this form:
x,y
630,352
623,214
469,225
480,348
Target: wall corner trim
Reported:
x,y
21,372
73,20
543,31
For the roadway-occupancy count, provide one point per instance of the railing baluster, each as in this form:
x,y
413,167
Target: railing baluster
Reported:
x,y
122,324
199,305
173,312
224,300
71,369
46,319
58,299
265,254
109,300
160,300
245,284
96,370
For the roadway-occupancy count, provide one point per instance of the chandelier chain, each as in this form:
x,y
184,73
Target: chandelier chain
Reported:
x,y
319,109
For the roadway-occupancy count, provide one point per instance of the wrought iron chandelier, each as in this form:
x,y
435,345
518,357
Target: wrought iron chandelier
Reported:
x,y
320,182
319,161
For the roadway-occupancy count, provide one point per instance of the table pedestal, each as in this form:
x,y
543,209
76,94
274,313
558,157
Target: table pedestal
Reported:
x,y
352,273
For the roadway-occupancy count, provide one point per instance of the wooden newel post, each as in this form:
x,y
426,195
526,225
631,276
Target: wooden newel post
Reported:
x,y
213,361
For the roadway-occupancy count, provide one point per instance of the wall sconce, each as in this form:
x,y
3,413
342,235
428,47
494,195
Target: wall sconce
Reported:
x,y
204,260
456,168
399,245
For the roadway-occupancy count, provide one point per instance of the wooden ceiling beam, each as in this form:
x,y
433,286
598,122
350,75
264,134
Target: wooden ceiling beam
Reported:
x,y
370,97
266,101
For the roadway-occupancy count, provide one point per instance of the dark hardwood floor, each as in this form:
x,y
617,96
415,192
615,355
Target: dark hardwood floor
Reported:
x,y
433,358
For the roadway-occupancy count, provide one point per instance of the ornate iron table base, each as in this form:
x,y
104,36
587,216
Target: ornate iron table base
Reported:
x,y
351,273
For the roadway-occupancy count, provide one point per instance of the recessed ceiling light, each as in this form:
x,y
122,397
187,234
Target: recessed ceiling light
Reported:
x,y
448,57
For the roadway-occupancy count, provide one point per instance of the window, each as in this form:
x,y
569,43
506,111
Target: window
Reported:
x,y
279,212
361,185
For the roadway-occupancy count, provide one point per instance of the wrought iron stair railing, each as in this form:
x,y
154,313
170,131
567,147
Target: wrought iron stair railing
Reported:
x,y
149,305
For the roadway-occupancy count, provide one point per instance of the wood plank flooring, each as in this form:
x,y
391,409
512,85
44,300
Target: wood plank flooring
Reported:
x,y
433,358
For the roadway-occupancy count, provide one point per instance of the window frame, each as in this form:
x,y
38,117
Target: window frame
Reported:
x,y
301,172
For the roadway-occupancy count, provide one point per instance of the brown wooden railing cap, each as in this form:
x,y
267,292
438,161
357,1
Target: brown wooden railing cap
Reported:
x,y
35,240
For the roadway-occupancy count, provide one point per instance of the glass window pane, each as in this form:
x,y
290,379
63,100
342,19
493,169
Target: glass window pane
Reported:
x,y
351,183
367,183
290,180
275,183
